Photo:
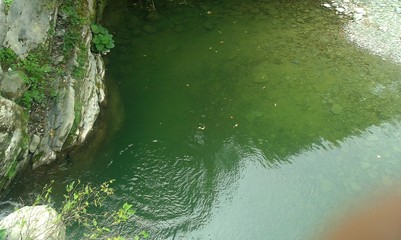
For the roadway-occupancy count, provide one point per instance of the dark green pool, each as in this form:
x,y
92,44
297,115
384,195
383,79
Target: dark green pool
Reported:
x,y
241,119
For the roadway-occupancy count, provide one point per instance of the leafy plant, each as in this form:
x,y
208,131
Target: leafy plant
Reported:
x,y
82,208
102,39
7,57
36,70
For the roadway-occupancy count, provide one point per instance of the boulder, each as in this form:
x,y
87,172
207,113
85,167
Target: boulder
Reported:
x,y
13,140
33,222
27,24
13,85
33,145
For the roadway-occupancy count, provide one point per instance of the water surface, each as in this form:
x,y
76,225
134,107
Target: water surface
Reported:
x,y
240,120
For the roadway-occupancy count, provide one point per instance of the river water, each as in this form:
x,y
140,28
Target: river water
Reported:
x,y
238,120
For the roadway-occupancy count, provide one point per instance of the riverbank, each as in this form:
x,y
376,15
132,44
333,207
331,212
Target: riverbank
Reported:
x,y
374,25
51,81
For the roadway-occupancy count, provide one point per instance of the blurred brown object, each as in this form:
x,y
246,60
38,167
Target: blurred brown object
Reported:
x,y
378,220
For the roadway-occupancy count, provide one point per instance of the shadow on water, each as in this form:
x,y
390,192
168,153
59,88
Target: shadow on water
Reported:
x,y
242,119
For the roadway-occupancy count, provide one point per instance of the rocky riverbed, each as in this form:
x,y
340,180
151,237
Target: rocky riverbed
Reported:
x,y
374,25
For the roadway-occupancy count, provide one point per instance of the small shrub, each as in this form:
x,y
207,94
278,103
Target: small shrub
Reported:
x,y
102,39
36,70
82,208
7,57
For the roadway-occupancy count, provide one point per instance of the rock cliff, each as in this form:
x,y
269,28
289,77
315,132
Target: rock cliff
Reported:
x,y
73,88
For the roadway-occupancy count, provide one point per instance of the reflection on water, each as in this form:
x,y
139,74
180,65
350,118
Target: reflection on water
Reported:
x,y
242,120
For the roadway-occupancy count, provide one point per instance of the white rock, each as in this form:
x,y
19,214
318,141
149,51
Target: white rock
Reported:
x,y
357,16
327,5
33,222
359,10
340,9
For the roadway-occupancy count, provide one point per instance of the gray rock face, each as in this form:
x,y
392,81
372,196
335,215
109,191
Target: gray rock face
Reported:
x,y
27,23
77,108
13,140
73,114
92,93
33,222
33,145
12,85
59,124
3,27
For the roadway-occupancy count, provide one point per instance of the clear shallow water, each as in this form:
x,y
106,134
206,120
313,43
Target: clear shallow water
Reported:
x,y
257,121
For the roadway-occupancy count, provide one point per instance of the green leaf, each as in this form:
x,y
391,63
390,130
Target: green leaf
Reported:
x,y
99,47
144,234
110,45
3,234
69,187
95,28
103,30
105,38
96,39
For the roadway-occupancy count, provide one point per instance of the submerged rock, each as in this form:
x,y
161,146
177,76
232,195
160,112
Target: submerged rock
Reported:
x,y
33,222
253,115
153,16
336,109
208,25
149,29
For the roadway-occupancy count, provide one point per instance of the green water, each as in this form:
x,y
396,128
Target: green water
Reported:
x,y
257,120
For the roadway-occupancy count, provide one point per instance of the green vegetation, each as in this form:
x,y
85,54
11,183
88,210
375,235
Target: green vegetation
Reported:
x,y
102,39
35,67
12,170
75,19
77,120
82,57
8,3
2,234
7,57
82,209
